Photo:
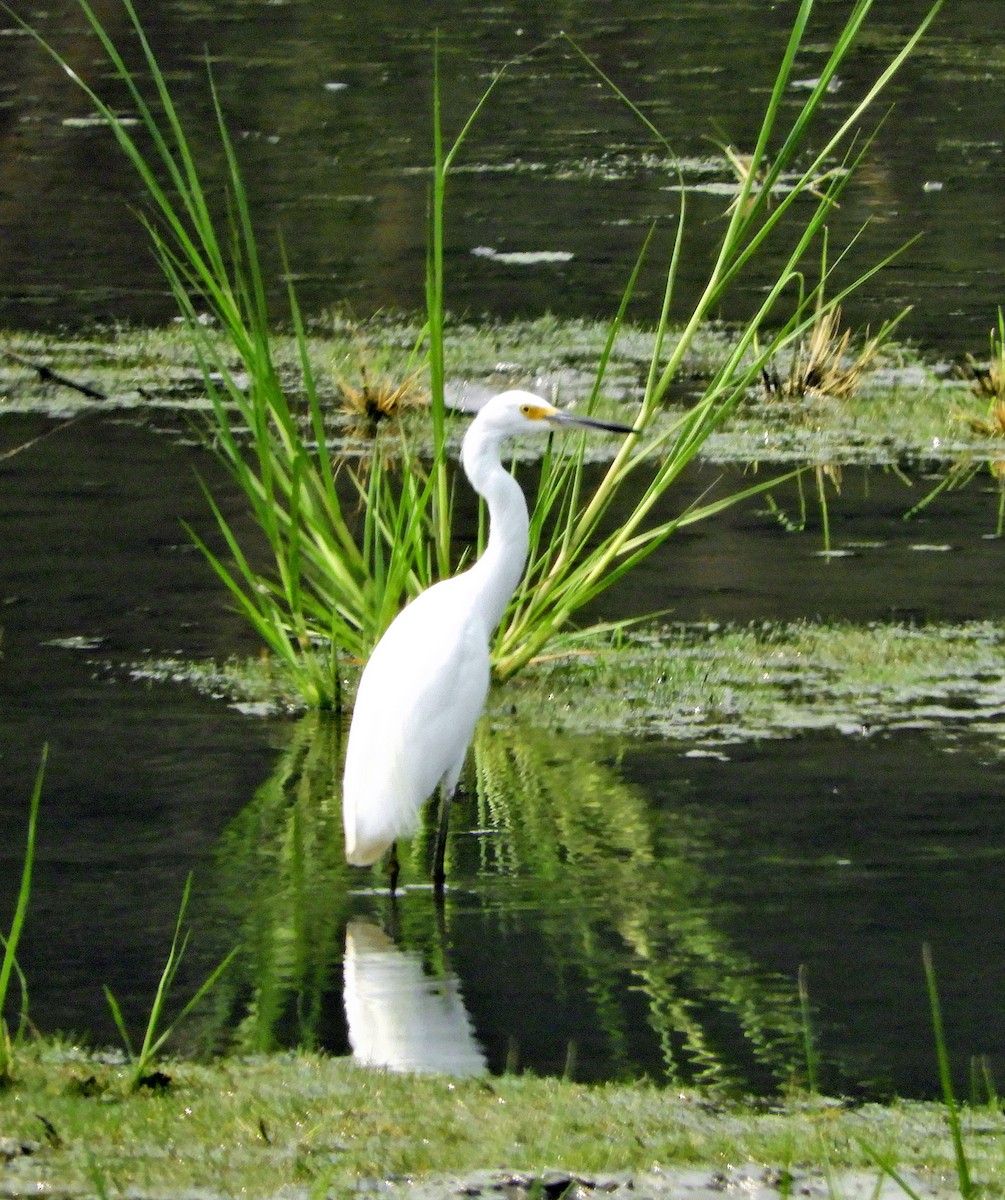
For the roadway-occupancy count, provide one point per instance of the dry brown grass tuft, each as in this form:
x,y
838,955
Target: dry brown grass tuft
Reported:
x,y
376,398
822,365
988,383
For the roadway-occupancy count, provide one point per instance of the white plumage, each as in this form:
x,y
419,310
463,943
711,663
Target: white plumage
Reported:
x,y
424,687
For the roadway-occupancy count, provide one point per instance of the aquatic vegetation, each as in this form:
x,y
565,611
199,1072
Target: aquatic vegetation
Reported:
x,y
821,366
992,427
379,398
8,963
712,685
748,184
332,584
821,374
370,390
988,383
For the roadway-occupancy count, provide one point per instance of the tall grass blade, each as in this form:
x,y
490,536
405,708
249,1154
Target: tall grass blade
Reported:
x,y
154,1036
888,1167
946,1077
120,1022
8,965
812,1055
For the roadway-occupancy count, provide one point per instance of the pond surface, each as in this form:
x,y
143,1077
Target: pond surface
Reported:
x,y
330,105
617,908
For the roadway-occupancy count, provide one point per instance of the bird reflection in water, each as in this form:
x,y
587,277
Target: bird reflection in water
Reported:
x,y
398,1016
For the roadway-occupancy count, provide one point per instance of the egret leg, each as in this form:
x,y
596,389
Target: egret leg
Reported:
x,y
392,922
439,870
392,868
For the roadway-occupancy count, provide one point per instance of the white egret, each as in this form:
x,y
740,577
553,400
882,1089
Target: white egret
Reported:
x,y
424,686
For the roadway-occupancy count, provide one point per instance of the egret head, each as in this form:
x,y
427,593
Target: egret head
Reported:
x,y
515,412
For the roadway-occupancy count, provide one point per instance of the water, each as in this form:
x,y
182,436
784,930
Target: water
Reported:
x,y
636,910
140,782
617,908
330,108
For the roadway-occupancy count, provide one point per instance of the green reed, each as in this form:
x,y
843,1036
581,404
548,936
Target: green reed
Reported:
x,y
9,964
946,1078
988,384
329,585
580,557
885,1160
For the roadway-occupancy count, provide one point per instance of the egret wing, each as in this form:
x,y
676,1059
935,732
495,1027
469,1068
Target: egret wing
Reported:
x,y
418,702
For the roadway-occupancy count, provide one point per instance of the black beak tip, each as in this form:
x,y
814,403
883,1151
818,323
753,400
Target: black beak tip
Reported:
x,y
570,418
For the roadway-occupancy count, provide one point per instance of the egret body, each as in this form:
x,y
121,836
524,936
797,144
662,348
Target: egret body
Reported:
x,y
424,686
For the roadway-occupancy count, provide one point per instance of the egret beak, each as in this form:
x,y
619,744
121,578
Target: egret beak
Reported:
x,y
562,417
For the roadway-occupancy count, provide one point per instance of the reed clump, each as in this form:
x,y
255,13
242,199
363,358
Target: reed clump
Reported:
x,y
347,548
825,366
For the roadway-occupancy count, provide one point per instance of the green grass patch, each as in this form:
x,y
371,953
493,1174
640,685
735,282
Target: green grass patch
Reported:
x,y
715,684
307,1125
905,409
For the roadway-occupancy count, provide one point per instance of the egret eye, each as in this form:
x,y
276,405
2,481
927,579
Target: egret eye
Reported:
x,y
525,409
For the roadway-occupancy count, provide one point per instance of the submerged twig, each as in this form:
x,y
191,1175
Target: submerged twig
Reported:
x,y
48,375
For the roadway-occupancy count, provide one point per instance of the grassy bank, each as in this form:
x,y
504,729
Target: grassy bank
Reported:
x,y
308,1126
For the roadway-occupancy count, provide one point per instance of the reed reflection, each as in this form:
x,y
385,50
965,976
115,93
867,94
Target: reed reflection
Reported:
x,y
574,904
286,886
632,891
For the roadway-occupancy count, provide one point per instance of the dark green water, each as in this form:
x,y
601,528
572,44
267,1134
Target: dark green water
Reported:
x,y
617,908
636,910
330,105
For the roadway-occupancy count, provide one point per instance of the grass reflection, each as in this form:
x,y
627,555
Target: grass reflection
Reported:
x,y
564,816
286,883
553,847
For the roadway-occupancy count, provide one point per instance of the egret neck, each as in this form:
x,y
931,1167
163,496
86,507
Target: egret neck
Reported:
x,y
498,571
